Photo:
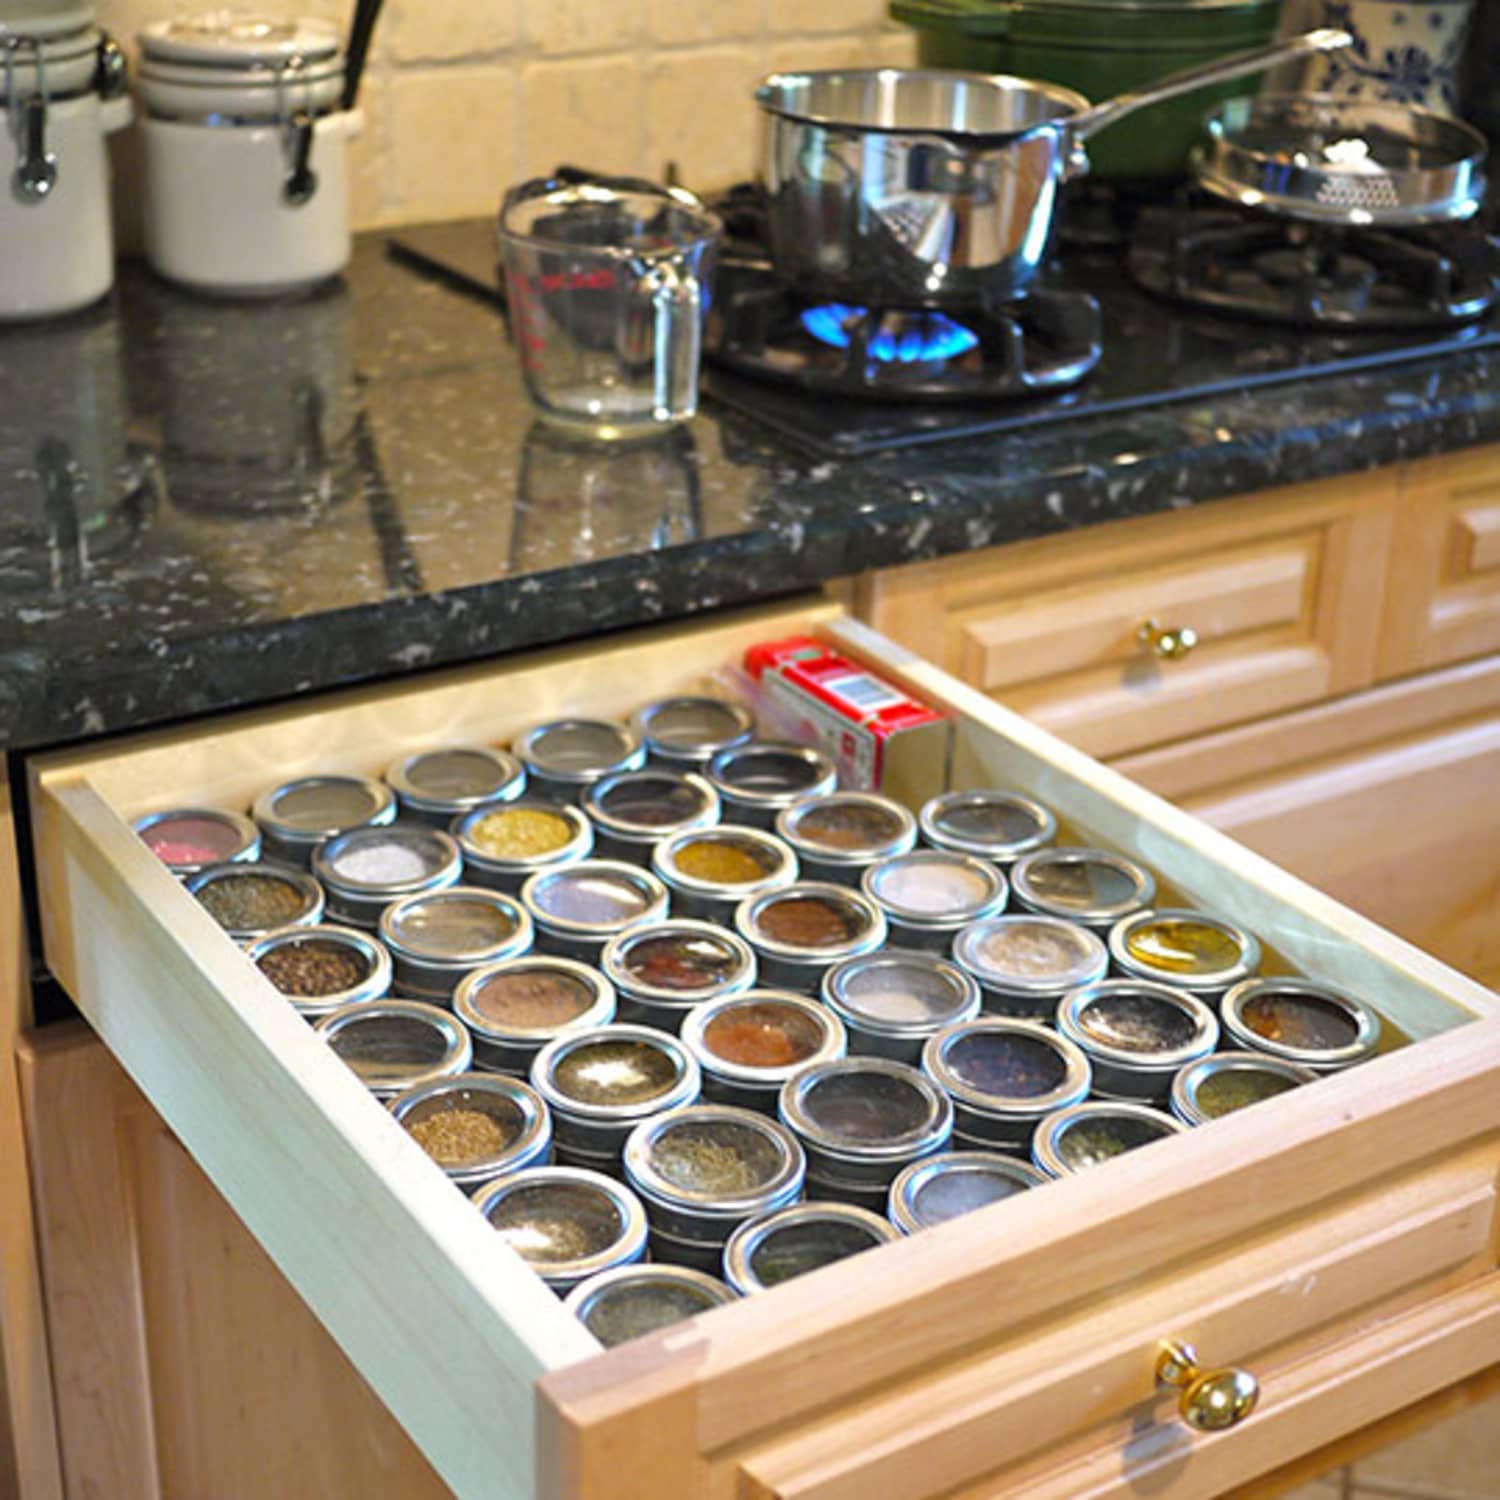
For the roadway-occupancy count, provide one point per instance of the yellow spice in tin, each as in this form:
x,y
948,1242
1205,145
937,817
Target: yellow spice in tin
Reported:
x,y
1181,947
520,832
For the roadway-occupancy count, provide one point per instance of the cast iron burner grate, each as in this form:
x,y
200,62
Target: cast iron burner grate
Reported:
x,y
1316,275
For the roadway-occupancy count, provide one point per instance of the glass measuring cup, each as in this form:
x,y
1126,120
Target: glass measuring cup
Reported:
x,y
606,287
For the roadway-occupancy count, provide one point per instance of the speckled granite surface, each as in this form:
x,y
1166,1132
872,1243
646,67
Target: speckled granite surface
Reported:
x,y
205,506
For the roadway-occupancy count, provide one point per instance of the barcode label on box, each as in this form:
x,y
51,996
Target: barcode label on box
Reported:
x,y
863,692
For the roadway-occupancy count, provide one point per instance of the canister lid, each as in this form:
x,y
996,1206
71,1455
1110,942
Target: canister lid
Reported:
x,y
868,1108
455,778
1085,1135
762,1036
618,1072
847,828
45,19
1007,1068
718,1160
990,824
1137,1024
579,751
1225,1082
953,1183
900,993
1302,1020
935,888
224,40
313,808
461,927
476,1126
1095,886
1191,949
1030,954
649,804
632,1301
533,998
395,1045
789,1242
771,773
693,729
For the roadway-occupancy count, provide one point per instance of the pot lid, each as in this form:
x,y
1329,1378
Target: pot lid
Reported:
x,y
218,39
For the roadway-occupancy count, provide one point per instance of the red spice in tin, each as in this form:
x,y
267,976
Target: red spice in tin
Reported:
x,y
763,1034
809,922
681,962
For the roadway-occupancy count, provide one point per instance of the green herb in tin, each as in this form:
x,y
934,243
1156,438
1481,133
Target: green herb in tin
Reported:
x,y
1229,1089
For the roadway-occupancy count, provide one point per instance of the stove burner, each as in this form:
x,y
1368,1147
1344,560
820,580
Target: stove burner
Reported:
x,y
890,338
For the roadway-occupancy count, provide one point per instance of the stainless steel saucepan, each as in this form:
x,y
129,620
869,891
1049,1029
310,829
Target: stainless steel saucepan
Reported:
x,y
928,188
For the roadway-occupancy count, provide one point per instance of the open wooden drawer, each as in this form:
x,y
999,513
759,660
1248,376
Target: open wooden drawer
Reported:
x,y
1342,1242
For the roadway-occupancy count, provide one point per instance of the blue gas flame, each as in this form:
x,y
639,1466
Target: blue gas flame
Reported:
x,y
906,338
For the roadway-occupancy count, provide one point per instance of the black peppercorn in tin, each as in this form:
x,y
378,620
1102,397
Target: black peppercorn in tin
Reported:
x,y
755,782
839,835
1025,963
793,1241
250,900
363,871
989,824
892,1000
1093,886
663,970
1137,1034
1302,1021
687,732
1191,950
1096,1131
477,1126
953,1183
298,815
565,757
1225,1082
396,1045
322,968
634,810
436,786
633,1301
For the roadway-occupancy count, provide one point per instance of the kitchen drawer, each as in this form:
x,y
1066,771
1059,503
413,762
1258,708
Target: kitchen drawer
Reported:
x,y
1027,1329
1282,591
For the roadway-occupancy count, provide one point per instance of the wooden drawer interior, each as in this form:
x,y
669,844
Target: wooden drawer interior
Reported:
x,y
453,1332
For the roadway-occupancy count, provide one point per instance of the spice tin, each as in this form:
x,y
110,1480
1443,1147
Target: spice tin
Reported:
x,y
1025,964
437,937
989,824
577,910
297,816
514,1008
688,732
954,1183
437,786
477,1126
1302,1021
366,869
799,930
748,1045
1225,1082
1084,1135
709,872
860,1120
567,756
634,810
755,782
1137,1034
321,969
566,1223
601,1084
1189,949
1093,886
396,1045
789,1242
890,1002
929,895
632,1301
248,901
505,845
663,971
189,839
838,836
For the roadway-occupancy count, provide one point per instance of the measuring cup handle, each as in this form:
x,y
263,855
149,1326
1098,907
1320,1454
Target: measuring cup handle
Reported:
x,y
676,298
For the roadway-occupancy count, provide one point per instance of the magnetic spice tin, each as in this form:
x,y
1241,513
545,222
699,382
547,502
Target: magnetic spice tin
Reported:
x,y
661,971
567,756
838,835
687,732
1025,963
633,1301
954,1183
633,810
576,910
790,1242
1225,1082
1093,886
1098,1130
1189,949
1302,1021
891,1001
189,839
436,786
755,782
396,1045
989,824
515,1007
366,869
748,1045
799,930
505,844
477,1126
710,871
1137,1034
928,895
298,815
322,968
248,901
437,937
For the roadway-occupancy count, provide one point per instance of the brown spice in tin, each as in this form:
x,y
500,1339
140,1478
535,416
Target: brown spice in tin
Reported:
x,y
1308,1022
456,1137
681,962
314,968
848,825
808,922
762,1035
532,999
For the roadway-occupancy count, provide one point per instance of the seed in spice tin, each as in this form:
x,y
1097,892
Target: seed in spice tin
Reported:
x,y
1101,1138
1137,1023
1006,1064
252,901
533,998
521,832
1301,1020
763,1034
459,1136
313,968
809,922
615,1072
1230,1089
552,1223
720,1158
681,961
721,862
1181,946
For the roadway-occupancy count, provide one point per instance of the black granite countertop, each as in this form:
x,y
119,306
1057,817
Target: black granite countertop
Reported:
x,y
206,505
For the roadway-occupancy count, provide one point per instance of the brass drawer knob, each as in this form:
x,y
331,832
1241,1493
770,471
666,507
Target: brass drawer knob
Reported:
x,y
1210,1400
1168,643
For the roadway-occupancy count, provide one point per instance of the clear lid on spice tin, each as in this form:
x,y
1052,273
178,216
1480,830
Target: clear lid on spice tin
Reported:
x,y
506,843
811,921
436,936
1301,1020
728,862
594,899
758,780
1137,1024
566,1223
632,1301
249,900
1007,1069
615,1073
933,889
396,1045
640,807
790,1242
566,755
365,870
1226,1082
847,829
189,839
989,824
679,963
1030,956
1088,1134
533,999
476,1126
762,1037
1093,886
866,1109
898,992
1190,949
953,1183
440,784
298,815
322,968
690,731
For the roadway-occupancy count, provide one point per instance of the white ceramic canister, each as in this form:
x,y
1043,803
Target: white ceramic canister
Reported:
x,y
247,183
61,92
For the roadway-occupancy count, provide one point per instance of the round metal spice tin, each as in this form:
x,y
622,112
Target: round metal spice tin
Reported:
x,y
1025,964
567,756
1302,1021
248,901
189,839
929,895
687,732
954,1183
748,1045
890,1002
1226,1082
662,971
1093,886
755,782
323,968
1004,1077
566,1223
601,1084
632,1301
366,869
634,810
789,1242
838,836
1189,949
710,871
1136,1034
297,816
799,930
989,824
504,845
437,937
477,1126
396,1045
1084,1135
436,786
515,1007
578,909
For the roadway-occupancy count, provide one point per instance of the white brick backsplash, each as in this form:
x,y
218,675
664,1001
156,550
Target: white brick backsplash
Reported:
x,y
419,31
790,16
683,22
453,142
586,112
557,27
700,114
